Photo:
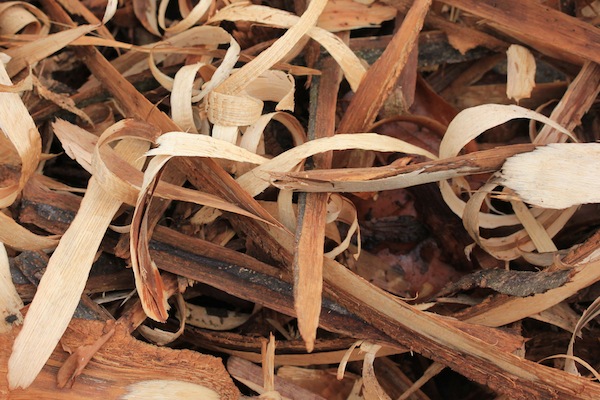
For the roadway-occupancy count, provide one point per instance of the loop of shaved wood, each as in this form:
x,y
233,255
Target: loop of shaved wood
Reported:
x,y
78,8
117,176
145,11
18,126
273,85
238,81
511,246
372,388
466,126
349,62
30,53
188,21
232,110
223,71
162,337
182,111
254,133
588,315
61,286
20,130
16,236
539,236
16,16
148,281
345,212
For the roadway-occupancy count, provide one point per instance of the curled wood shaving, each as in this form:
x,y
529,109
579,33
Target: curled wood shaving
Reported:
x,y
192,18
509,247
200,317
16,236
17,16
18,126
588,315
162,337
145,11
63,282
30,53
372,388
349,62
343,210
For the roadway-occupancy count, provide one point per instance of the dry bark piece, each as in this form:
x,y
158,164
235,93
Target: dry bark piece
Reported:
x,y
394,177
369,97
117,367
344,15
514,283
577,100
545,28
312,213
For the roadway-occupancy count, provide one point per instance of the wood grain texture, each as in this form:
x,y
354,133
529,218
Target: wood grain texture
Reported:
x,y
121,362
550,28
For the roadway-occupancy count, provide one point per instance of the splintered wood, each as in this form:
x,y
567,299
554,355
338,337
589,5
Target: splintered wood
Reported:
x,y
404,192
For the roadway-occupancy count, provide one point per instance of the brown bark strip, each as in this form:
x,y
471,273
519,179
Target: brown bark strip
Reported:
x,y
576,101
383,74
245,277
432,337
556,30
312,212
121,362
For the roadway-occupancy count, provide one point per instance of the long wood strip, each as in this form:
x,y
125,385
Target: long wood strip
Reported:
x,y
383,74
392,177
237,273
577,100
312,210
66,275
433,338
